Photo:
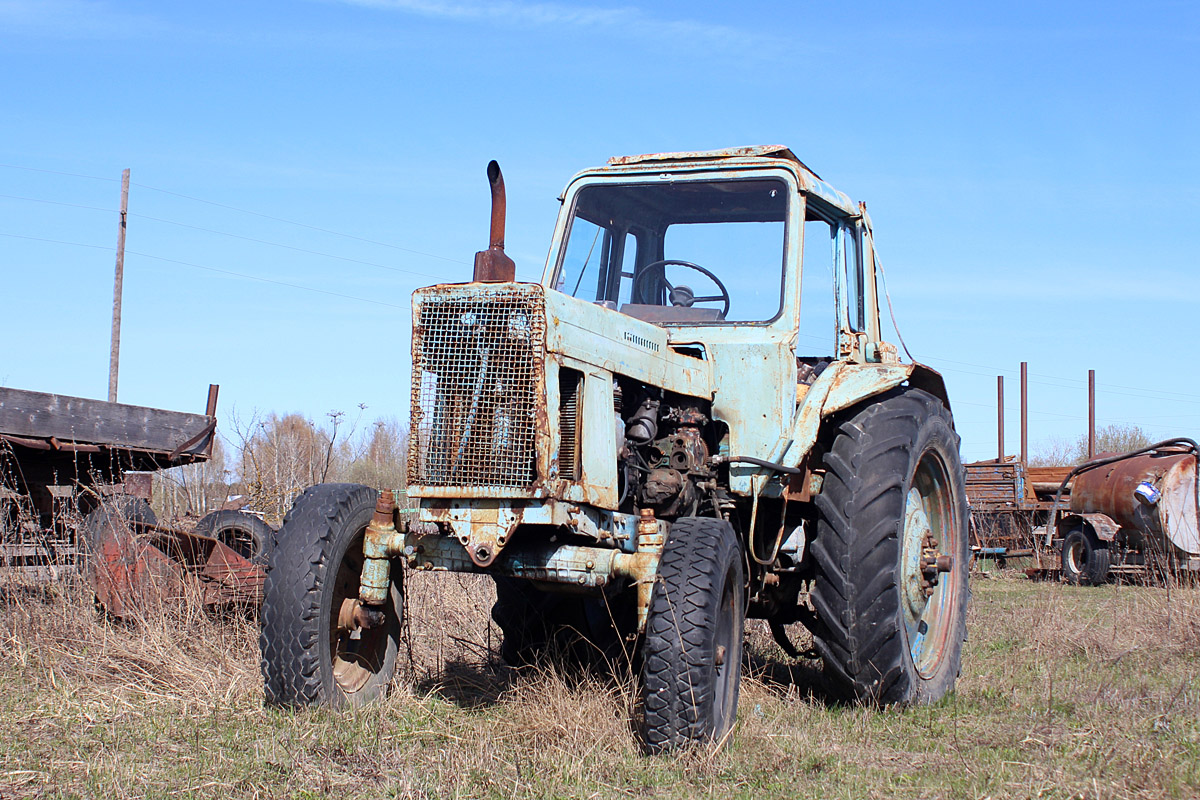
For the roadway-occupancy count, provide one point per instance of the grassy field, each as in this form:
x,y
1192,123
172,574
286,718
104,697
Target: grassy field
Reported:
x,y
1065,692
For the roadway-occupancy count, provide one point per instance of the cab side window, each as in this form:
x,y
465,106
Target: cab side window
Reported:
x,y
852,275
818,321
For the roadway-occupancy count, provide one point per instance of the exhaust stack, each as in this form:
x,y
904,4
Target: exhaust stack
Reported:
x,y
492,265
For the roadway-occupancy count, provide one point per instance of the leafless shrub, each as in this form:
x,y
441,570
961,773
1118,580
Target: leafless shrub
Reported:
x,y
1115,438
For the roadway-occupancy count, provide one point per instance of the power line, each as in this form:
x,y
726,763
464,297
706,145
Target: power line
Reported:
x,y
1101,388
300,224
230,235
242,211
212,269
56,172
289,247
1132,391
268,280
56,203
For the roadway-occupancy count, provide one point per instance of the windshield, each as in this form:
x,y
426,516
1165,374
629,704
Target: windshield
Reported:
x,y
679,252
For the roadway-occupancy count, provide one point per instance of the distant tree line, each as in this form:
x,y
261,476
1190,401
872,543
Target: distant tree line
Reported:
x,y
266,461
1071,452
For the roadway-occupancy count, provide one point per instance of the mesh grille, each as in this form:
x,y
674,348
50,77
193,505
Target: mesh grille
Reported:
x,y
477,361
569,381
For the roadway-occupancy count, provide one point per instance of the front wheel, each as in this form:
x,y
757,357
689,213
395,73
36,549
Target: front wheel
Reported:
x,y
312,651
891,552
692,652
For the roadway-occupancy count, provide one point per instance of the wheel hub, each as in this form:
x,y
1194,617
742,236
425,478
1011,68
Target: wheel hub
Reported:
x,y
919,547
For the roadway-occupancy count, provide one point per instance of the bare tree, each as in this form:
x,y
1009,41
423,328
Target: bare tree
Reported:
x,y
1117,438
381,459
281,457
193,489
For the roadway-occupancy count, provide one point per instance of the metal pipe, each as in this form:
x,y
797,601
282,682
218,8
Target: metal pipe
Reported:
x,y
758,462
210,407
492,265
999,418
499,204
376,578
1024,413
1091,414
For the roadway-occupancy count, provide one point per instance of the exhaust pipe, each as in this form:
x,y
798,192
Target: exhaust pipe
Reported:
x,y
492,265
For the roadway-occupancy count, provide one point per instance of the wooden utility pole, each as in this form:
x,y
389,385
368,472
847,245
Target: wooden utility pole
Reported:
x,y
114,353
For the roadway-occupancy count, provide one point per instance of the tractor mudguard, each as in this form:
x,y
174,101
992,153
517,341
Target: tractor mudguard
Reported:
x,y
845,384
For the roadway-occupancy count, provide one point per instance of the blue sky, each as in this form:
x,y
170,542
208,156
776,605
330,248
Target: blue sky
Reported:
x,y
1032,171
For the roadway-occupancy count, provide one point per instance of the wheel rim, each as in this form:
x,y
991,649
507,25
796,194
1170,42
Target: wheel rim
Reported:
x,y
1075,557
357,655
931,530
726,655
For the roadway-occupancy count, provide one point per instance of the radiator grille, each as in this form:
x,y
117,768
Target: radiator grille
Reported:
x,y
477,364
569,383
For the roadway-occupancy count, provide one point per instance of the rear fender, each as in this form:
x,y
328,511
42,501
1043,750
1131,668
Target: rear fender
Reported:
x,y
843,385
1104,527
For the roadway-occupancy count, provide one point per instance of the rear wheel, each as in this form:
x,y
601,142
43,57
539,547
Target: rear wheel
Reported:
x,y
692,651
1085,559
312,651
891,553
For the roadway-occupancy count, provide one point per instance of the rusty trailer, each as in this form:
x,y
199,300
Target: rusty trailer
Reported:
x,y
75,483
1133,513
1010,503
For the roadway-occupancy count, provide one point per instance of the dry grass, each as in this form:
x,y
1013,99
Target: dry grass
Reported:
x,y
1065,692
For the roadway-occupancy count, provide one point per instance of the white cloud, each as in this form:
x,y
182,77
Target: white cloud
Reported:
x,y
73,19
633,22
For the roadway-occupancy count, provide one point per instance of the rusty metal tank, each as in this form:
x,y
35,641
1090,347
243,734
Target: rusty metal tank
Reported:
x,y
1153,493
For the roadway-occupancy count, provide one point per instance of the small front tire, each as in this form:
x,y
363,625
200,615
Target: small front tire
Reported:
x,y
692,651
314,571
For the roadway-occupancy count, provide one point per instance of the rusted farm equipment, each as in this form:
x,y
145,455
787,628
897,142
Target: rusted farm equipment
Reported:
x,y
1130,514
642,451
1010,503
75,492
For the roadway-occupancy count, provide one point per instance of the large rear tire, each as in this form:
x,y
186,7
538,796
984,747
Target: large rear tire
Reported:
x,y
307,658
892,502
692,651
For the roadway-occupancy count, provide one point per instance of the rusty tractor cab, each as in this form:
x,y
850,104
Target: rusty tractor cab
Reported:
x,y
690,420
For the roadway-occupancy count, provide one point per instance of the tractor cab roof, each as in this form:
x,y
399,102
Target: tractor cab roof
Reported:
x,y
750,156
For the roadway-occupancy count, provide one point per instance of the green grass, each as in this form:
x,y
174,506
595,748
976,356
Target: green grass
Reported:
x,y
1065,692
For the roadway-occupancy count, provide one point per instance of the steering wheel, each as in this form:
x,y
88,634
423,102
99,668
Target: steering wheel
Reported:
x,y
682,295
